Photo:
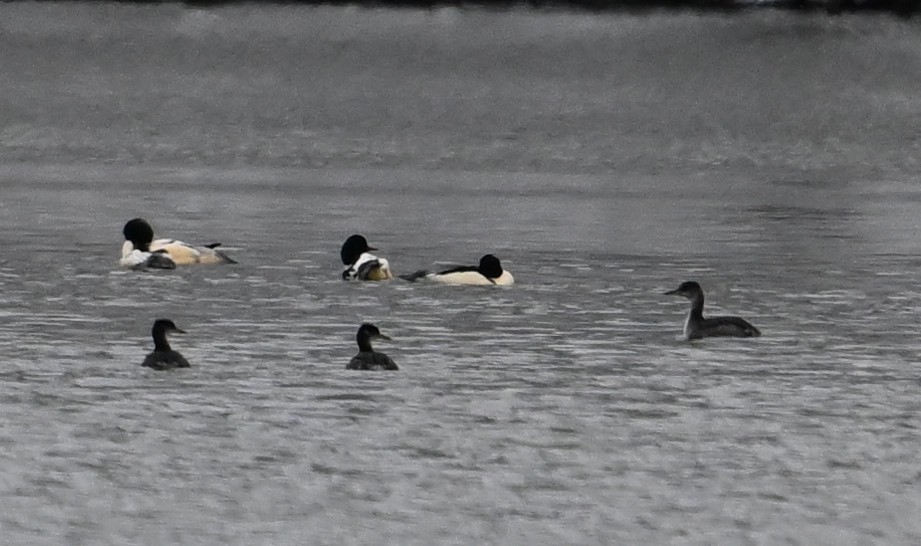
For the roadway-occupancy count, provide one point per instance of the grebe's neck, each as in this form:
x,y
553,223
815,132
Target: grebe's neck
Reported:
x,y
697,306
364,343
160,342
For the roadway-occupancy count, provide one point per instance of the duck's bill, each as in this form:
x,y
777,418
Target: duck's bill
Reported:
x,y
177,331
672,292
382,336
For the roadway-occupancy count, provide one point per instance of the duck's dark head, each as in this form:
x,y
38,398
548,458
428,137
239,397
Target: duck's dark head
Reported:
x,y
490,266
353,248
139,232
688,289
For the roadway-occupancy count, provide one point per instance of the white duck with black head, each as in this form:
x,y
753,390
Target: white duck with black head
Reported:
x,y
696,326
141,250
367,358
489,272
163,356
360,264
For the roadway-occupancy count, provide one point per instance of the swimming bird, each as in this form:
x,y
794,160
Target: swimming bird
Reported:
x,y
360,264
138,259
488,273
697,327
141,250
367,358
163,356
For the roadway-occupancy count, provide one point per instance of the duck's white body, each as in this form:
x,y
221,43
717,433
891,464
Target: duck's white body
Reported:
x,y
186,254
360,264
179,252
474,278
142,250
132,257
488,273
368,267
139,259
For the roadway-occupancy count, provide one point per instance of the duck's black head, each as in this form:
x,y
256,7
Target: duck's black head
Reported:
x,y
166,326
688,289
353,248
139,232
490,266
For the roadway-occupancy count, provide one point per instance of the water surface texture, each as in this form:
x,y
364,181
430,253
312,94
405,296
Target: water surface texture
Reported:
x,y
772,157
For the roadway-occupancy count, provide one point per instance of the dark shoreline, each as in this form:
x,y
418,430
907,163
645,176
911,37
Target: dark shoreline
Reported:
x,y
901,7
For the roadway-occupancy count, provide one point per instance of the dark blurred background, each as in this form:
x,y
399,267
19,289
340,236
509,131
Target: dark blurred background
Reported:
x,y
902,7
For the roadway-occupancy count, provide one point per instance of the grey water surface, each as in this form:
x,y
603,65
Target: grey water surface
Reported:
x,y
770,156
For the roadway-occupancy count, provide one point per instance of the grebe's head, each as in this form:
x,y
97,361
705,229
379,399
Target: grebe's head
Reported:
x,y
370,331
166,326
688,289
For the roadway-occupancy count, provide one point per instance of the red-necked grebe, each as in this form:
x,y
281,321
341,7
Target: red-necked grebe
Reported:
x,y
163,356
697,327
367,358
